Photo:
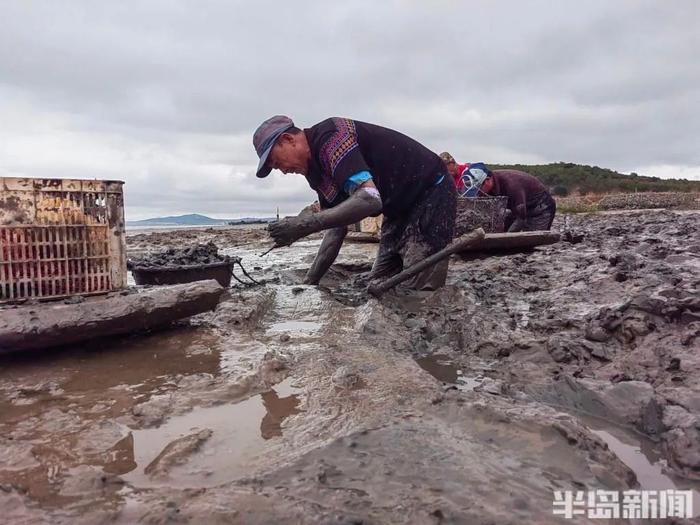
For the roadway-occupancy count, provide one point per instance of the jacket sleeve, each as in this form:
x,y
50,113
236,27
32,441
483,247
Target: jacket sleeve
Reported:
x,y
339,155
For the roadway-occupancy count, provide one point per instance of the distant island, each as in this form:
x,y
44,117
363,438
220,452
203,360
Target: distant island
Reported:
x,y
195,219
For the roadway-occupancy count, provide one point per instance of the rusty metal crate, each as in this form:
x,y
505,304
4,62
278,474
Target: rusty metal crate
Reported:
x,y
60,237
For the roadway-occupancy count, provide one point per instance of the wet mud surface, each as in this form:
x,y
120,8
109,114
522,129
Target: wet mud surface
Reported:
x,y
572,367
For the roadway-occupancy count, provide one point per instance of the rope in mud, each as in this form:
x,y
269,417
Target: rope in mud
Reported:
x,y
237,279
237,260
246,273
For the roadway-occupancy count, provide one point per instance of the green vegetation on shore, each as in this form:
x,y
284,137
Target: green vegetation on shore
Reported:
x,y
566,177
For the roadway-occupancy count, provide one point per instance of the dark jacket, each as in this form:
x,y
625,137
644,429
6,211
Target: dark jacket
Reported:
x,y
522,189
401,168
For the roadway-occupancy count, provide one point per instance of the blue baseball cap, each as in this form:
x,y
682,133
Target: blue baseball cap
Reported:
x,y
473,177
265,137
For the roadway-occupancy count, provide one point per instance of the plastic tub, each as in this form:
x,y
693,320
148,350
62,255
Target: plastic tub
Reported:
x,y
184,274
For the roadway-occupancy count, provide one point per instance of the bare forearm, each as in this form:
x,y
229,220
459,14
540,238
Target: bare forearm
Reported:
x,y
327,252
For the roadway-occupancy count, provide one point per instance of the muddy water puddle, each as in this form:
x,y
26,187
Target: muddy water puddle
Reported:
x,y
645,464
639,453
295,326
444,370
304,311
69,415
642,456
144,365
229,437
59,412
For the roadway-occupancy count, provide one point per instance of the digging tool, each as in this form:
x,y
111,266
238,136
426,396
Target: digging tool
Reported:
x,y
456,246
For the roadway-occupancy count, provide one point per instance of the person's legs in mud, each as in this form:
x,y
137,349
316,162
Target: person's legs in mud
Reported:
x,y
541,215
430,228
388,261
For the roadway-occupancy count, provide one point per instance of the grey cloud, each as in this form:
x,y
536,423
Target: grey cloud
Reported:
x,y
161,93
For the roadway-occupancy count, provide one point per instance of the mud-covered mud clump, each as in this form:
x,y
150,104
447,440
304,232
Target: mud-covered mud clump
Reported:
x,y
195,255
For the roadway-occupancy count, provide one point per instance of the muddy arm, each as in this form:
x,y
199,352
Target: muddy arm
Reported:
x,y
327,252
362,203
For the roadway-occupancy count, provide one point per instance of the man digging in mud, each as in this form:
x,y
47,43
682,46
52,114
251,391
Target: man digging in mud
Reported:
x,y
531,205
360,170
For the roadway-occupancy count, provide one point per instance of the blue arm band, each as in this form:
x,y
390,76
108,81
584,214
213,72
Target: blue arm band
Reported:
x,y
355,181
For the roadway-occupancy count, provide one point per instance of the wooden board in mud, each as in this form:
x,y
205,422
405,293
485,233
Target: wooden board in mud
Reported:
x,y
490,243
513,241
45,325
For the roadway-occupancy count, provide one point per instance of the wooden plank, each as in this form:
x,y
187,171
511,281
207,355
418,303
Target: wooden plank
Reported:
x,y
490,242
512,241
38,326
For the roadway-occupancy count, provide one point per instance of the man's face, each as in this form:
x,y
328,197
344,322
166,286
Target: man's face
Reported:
x,y
289,155
452,168
487,185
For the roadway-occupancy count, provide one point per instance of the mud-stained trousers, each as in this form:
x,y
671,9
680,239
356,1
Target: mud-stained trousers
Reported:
x,y
427,229
540,215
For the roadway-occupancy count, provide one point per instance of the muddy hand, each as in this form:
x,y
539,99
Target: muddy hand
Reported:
x,y
290,229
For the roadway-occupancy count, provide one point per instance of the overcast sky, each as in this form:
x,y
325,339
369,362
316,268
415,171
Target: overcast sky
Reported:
x,y
165,95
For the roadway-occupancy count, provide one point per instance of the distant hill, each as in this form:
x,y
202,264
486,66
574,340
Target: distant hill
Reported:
x,y
195,219
566,177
